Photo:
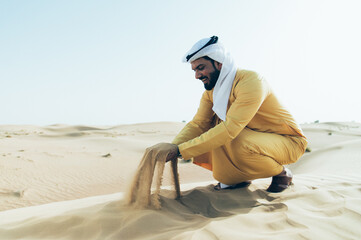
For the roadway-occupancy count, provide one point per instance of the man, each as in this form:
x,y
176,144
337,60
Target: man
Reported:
x,y
241,131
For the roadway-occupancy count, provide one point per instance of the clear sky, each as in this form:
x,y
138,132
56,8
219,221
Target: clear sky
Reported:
x,y
118,62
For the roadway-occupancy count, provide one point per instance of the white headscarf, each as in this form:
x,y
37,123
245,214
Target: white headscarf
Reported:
x,y
223,87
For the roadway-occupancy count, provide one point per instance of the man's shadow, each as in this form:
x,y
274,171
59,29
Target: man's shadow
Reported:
x,y
197,208
209,203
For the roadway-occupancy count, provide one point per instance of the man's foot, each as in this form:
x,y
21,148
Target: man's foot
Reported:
x,y
238,185
281,181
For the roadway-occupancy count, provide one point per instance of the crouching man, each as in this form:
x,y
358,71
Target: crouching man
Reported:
x,y
241,131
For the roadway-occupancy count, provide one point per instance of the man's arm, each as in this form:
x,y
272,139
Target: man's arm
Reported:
x,y
199,124
250,94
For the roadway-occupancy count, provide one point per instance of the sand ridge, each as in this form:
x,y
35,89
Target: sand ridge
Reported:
x,y
305,211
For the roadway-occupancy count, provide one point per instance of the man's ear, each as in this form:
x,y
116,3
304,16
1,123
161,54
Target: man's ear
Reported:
x,y
218,65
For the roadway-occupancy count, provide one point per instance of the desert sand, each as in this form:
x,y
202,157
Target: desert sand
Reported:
x,y
68,182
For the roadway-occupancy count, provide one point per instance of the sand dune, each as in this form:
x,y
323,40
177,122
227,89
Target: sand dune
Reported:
x,y
70,162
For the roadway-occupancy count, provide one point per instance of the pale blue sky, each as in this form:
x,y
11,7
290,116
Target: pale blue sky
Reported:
x,y
116,62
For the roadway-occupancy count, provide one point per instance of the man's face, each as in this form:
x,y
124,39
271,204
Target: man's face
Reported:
x,y
206,71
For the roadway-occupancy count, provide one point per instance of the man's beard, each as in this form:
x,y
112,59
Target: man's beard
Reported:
x,y
213,77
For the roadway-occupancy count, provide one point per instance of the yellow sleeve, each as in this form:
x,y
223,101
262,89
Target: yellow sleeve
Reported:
x,y
249,96
199,124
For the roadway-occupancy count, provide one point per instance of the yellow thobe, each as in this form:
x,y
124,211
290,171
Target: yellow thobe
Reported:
x,y
258,136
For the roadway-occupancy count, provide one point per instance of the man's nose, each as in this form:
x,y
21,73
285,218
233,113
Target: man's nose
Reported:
x,y
198,75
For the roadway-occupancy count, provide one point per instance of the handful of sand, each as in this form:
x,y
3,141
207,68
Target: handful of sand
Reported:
x,y
151,169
